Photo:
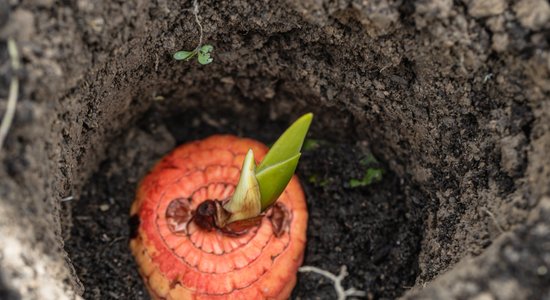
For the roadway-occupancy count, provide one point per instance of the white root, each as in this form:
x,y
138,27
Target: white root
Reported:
x,y
337,281
196,14
13,92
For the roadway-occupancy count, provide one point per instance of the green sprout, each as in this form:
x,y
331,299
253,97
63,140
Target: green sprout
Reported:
x,y
259,187
245,199
373,174
202,53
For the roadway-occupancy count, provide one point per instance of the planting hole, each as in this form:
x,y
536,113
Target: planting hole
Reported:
x,y
372,229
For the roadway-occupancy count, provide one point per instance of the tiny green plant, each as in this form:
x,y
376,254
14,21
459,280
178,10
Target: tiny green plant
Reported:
x,y
373,174
202,52
259,187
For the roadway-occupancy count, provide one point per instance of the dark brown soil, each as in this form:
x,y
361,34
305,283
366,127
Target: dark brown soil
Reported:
x,y
453,97
373,230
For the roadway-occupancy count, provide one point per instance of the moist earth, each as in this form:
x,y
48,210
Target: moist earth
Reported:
x,y
451,96
371,229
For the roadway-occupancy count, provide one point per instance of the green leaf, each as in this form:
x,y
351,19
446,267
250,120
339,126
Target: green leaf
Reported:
x,y
204,54
205,59
181,55
206,48
288,144
373,175
274,179
356,183
279,164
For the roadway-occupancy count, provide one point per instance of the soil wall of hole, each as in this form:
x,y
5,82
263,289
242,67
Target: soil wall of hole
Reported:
x,y
452,96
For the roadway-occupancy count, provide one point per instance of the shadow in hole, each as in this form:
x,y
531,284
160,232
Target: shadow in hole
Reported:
x,y
6,292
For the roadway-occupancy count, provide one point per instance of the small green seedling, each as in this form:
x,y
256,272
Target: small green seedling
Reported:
x,y
372,175
259,187
202,53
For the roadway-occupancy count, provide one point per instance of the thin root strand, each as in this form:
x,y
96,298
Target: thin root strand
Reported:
x,y
196,14
13,92
337,281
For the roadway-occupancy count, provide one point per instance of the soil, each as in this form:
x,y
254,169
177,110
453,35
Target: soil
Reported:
x,y
452,97
371,229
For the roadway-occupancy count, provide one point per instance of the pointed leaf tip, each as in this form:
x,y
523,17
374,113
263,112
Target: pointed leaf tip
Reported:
x,y
276,170
288,144
245,202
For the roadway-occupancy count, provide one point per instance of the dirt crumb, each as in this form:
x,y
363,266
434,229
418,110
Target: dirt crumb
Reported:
x,y
486,8
500,42
428,10
512,153
533,14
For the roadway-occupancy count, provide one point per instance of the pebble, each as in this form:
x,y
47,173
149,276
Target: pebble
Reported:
x,y
104,207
